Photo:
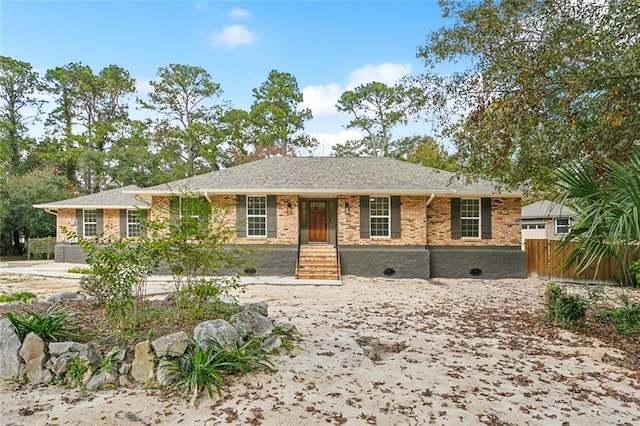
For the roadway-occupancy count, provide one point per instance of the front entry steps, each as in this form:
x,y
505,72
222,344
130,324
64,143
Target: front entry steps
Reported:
x,y
318,262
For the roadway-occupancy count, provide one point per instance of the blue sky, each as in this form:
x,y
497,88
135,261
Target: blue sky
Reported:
x,y
329,46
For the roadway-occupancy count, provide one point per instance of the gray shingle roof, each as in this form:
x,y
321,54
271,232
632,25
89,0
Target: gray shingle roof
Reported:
x,y
113,198
546,209
324,175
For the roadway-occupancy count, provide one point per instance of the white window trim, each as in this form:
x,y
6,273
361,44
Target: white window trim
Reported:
x,y
133,223
247,215
371,216
479,219
555,225
84,223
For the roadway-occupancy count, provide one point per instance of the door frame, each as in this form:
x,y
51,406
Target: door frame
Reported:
x,y
332,220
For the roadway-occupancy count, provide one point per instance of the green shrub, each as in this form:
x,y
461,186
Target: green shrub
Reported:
x,y
562,309
201,368
635,270
21,296
77,369
49,325
80,270
626,317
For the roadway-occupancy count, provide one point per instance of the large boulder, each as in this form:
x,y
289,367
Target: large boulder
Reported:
x,y
32,351
250,323
218,330
171,345
143,363
9,346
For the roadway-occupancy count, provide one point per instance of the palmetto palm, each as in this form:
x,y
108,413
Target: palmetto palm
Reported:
x,y
607,206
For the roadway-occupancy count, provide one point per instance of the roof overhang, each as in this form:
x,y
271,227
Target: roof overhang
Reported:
x,y
89,207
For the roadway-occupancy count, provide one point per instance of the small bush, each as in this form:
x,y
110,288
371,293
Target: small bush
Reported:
x,y
21,296
49,325
80,270
77,369
626,317
564,310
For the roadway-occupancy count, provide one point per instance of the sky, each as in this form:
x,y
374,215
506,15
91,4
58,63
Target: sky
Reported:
x,y
328,46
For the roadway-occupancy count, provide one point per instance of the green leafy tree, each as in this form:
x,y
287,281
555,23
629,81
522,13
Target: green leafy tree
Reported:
x,y
239,136
546,82
20,193
607,206
186,128
277,116
91,110
426,151
18,86
377,109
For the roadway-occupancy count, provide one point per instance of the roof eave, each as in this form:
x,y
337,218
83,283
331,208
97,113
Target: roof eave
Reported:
x,y
316,192
89,206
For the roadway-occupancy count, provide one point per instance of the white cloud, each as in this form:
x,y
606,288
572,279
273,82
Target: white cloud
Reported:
x,y
388,73
233,36
326,141
239,13
322,99
201,4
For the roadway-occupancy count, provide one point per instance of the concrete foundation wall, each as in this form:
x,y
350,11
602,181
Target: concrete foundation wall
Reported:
x,y
69,253
477,262
397,261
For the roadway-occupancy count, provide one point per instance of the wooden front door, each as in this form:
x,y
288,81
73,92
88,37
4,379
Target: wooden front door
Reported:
x,y
318,221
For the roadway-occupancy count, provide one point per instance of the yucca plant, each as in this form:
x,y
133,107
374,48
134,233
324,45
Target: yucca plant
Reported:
x,y
202,366
607,205
49,325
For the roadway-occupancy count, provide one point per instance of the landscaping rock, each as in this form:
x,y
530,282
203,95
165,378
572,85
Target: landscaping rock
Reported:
x,y
143,363
228,299
9,346
91,353
60,365
217,329
163,371
123,381
271,343
59,348
288,328
97,381
32,351
260,307
125,368
65,295
171,345
117,355
250,323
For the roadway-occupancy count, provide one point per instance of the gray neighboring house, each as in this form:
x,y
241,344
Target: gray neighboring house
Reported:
x,y
323,217
545,220
110,213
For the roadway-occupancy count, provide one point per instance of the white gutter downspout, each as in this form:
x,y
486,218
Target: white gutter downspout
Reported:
x,y
50,211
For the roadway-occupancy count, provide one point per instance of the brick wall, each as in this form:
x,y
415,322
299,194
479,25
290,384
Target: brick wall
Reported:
x,y
63,220
506,228
412,222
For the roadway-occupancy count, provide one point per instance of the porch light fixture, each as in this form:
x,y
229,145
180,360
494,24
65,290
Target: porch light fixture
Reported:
x,y
289,207
347,209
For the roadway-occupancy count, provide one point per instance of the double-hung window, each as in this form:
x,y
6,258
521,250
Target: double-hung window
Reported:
x,y
256,216
562,225
134,228
470,217
379,216
90,223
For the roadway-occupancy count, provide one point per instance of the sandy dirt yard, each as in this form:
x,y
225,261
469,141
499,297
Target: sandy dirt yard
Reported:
x,y
386,352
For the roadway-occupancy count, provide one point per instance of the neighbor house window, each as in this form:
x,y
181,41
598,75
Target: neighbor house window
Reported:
x,y
562,225
90,221
470,217
256,216
134,228
379,213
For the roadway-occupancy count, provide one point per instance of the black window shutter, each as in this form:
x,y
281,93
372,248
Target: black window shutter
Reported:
x,y
123,223
396,230
365,231
272,217
79,223
99,222
174,212
241,215
456,220
485,213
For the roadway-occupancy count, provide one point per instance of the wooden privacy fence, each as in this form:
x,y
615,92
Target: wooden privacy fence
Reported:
x,y
545,259
40,247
